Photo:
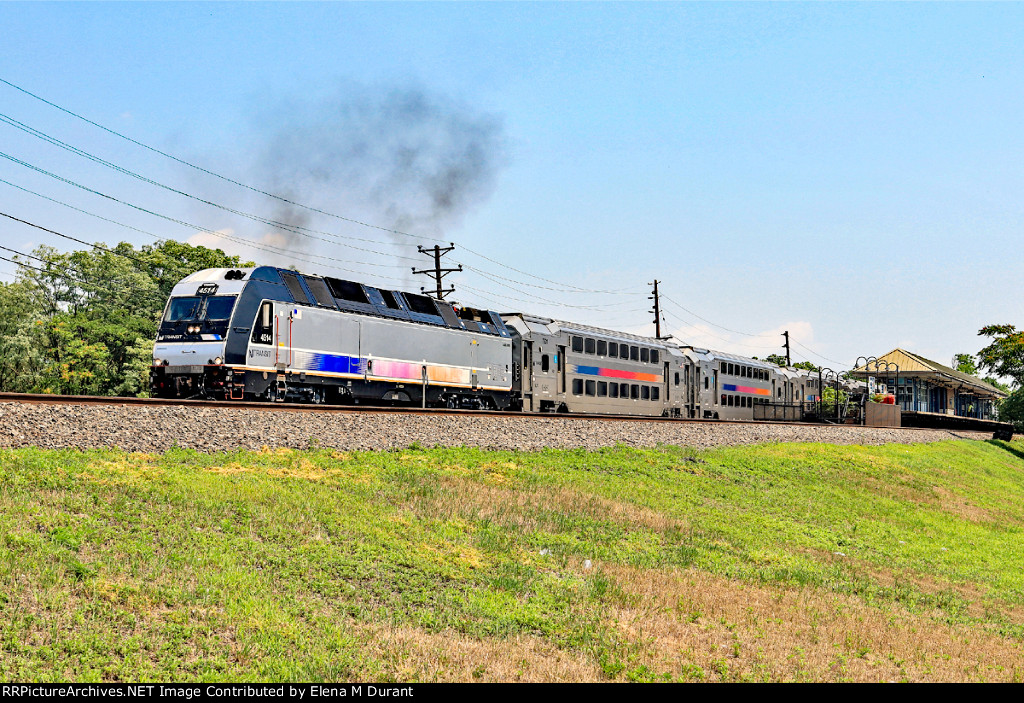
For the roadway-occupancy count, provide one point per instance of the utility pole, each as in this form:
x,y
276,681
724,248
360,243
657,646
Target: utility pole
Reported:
x,y
437,273
786,335
657,311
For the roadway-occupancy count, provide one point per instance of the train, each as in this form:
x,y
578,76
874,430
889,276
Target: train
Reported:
x,y
277,335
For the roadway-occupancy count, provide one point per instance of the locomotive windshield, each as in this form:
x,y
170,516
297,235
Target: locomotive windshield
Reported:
x,y
183,309
199,308
219,307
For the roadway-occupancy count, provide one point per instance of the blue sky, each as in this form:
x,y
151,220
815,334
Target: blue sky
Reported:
x,y
849,172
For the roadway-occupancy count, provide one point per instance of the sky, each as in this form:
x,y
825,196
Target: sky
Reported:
x,y
849,172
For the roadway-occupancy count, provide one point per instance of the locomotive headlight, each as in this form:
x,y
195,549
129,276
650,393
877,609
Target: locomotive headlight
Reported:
x,y
218,361
158,362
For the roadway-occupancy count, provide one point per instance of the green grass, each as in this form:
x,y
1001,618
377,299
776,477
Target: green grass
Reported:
x,y
289,565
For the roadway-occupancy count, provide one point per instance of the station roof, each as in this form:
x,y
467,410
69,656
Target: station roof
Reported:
x,y
915,365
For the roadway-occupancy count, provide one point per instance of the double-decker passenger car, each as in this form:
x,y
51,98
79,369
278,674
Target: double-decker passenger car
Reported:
x,y
569,367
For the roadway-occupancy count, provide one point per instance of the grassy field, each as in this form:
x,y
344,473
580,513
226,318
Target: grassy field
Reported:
x,y
799,562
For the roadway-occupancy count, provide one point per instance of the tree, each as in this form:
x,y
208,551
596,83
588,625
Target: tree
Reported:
x,y
84,322
21,336
780,360
964,363
1011,409
1004,357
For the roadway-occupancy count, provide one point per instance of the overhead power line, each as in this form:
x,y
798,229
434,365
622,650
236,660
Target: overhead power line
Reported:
x,y
278,251
568,288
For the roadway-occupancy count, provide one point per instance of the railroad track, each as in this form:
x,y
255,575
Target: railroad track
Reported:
x,y
49,399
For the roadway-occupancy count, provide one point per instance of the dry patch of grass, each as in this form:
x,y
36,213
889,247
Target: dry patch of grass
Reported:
x,y
956,505
532,508
411,654
696,625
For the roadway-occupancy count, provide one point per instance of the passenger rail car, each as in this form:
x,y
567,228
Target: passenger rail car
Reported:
x,y
272,334
568,367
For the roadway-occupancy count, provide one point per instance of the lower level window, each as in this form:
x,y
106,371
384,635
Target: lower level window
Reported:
x,y
577,386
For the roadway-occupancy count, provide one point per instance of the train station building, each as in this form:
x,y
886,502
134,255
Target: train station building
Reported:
x,y
925,386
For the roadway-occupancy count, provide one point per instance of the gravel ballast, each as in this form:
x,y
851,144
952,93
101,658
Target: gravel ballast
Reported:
x,y
159,428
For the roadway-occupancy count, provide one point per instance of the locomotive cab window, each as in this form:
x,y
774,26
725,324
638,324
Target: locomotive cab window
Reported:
x,y
181,309
263,330
219,307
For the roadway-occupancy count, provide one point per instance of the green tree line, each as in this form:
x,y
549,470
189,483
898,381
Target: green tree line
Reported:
x,y
1004,358
83,322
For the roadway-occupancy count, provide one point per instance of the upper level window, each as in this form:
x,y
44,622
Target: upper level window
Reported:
x,y
634,353
590,345
645,355
421,304
602,347
613,349
654,356
577,345
390,300
347,290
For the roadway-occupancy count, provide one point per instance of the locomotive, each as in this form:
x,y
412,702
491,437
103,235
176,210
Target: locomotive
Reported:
x,y
277,335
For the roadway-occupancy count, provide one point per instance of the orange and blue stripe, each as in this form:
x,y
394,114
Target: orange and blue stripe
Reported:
x,y
615,373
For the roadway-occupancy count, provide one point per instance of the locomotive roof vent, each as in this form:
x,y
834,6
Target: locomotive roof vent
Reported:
x,y
234,275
